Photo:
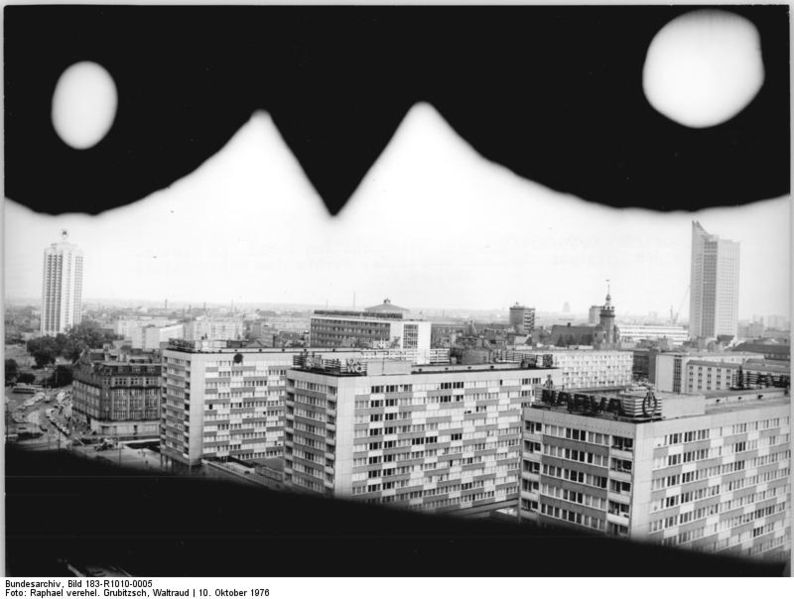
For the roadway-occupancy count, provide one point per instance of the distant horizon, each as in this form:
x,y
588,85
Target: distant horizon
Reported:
x,y
180,304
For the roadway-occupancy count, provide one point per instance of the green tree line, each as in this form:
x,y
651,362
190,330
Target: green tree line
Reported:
x,y
86,335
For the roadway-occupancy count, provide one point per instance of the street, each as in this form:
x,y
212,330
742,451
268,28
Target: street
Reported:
x,y
46,415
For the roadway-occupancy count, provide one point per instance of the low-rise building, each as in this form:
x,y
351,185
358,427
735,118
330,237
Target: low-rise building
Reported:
x,y
671,373
369,329
137,331
701,472
582,368
214,329
644,364
155,336
117,397
262,332
765,373
704,375
434,438
634,333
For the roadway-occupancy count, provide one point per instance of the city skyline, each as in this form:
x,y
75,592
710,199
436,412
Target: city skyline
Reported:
x,y
428,237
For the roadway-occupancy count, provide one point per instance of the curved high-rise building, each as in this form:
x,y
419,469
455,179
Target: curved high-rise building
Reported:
x,y
714,291
62,287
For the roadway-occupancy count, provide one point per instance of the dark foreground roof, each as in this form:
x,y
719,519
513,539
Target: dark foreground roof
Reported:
x,y
60,507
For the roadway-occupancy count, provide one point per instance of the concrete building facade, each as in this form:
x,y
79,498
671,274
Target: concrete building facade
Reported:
x,y
703,376
703,473
117,398
671,373
522,319
221,400
634,333
62,287
346,328
153,336
214,329
433,438
583,368
714,285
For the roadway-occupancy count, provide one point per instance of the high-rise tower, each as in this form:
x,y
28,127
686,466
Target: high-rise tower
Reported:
x,y
714,300
62,287
522,319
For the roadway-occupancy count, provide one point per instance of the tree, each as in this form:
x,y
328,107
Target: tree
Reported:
x,y
61,377
44,350
12,370
26,378
86,335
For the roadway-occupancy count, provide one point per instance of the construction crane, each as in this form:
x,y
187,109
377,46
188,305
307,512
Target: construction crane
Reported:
x,y
674,315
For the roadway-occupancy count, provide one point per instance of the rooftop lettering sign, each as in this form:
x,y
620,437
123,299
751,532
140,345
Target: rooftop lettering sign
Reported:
x,y
632,407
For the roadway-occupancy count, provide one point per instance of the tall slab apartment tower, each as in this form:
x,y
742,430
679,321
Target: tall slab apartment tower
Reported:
x,y
708,472
222,401
433,438
714,285
62,287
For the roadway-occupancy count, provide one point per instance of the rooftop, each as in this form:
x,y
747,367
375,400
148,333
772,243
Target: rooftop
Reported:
x,y
762,347
579,349
749,400
232,347
706,353
731,394
781,366
386,306
635,406
385,367
713,364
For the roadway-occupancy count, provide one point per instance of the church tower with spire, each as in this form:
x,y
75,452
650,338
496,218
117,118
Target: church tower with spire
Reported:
x,y
610,334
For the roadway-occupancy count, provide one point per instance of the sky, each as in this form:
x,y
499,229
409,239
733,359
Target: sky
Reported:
x,y
433,225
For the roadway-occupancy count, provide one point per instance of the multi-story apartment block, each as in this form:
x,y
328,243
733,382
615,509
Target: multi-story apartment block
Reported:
x,y
583,368
347,328
115,397
291,323
703,376
148,332
263,333
62,287
714,285
634,333
128,328
154,336
214,329
709,473
672,372
437,438
221,400
522,319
